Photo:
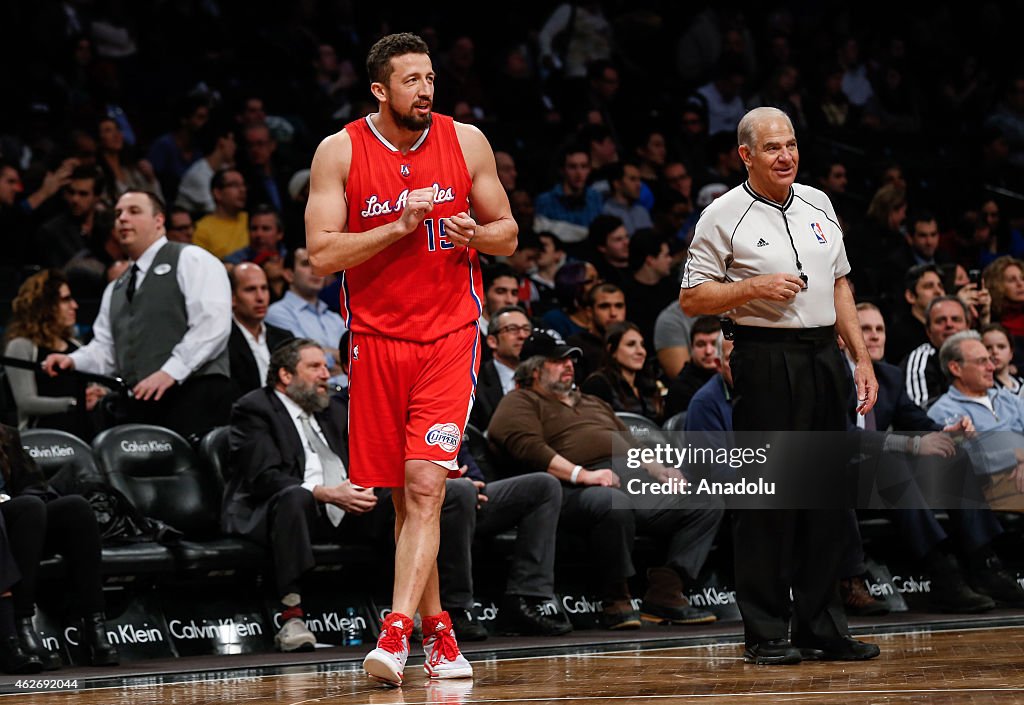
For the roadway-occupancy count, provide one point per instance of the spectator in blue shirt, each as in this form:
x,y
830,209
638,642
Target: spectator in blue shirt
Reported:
x,y
305,315
711,407
568,208
998,415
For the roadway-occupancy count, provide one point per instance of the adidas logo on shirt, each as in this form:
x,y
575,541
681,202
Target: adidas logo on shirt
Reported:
x,y
762,242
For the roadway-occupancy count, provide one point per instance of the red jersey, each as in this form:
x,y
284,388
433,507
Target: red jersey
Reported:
x,y
423,286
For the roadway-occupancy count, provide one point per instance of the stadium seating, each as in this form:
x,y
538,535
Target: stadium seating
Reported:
x,y
162,476
642,429
675,423
53,451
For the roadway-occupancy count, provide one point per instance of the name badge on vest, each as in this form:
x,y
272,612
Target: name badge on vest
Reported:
x,y
161,269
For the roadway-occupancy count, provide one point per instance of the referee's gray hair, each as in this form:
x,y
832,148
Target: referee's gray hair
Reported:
x,y
524,373
952,350
748,123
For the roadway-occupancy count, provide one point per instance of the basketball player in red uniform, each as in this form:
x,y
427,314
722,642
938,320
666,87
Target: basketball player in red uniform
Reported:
x,y
389,206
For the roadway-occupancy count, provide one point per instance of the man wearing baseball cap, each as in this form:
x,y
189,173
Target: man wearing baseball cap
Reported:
x,y
547,424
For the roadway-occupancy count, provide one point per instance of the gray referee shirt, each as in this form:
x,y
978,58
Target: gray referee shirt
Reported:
x,y
741,235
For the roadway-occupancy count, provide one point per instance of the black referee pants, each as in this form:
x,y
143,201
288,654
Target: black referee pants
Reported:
x,y
790,380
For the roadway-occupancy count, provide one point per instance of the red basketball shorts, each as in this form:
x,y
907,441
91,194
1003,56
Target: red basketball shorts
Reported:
x,y
408,401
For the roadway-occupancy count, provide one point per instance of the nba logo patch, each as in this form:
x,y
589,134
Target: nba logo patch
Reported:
x,y
818,233
355,352
405,170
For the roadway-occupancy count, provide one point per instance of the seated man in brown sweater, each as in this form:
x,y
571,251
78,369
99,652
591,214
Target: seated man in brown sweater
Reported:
x,y
545,424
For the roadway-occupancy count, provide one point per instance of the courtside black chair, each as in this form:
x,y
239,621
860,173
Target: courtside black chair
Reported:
x,y
214,451
70,463
675,423
55,451
480,450
642,429
164,478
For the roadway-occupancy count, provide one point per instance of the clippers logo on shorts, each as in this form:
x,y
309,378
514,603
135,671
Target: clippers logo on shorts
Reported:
x,y
819,233
446,436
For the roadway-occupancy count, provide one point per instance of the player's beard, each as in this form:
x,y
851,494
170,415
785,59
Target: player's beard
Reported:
x,y
410,121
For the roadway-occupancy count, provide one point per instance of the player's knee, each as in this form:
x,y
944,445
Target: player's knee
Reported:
x,y
424,491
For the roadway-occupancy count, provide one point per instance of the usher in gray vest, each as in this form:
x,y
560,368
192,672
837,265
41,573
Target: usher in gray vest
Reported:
x,y
146,330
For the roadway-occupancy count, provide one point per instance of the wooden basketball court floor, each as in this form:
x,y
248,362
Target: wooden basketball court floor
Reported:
x,y
963,662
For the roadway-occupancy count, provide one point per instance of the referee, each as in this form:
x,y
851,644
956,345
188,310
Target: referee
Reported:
x,y
769,255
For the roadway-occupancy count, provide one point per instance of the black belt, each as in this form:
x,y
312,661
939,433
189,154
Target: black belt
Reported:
x,y
784,335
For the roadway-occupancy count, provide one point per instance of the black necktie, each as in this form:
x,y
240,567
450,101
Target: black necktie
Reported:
x,y
130,292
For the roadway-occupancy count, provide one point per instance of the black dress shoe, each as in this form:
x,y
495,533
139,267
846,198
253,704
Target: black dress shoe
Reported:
x,y
467,627
32,644
14,660
519,616
619,614
949,591
844,648
94,635
774,652
990,578
682,613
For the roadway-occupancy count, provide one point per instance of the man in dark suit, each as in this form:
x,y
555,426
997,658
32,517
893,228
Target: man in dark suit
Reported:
x,y
506,331
289,484
914,439
909,329
289,481
252,340
921,246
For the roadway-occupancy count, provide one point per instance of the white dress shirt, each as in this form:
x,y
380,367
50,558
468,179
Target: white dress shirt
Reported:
x,y
258,346
506,375
204,284
314,471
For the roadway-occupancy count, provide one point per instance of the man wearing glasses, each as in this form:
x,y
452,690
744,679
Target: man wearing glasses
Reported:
x,y
507,330
180,227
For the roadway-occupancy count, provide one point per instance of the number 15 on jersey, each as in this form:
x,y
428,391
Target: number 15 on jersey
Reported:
x,y
436,237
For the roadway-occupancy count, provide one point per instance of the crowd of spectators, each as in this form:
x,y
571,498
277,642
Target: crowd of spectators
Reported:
x,y
613,127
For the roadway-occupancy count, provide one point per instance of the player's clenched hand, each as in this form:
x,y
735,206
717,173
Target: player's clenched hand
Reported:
x,y
776,287
460,229
417,205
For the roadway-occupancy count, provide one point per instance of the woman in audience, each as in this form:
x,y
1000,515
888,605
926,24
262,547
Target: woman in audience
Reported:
x,y
1004,279
121,170
43,317
41,522
42,321
1002,239
1000,348
621,381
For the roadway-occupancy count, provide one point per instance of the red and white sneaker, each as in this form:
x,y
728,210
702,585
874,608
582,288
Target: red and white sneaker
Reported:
x,y
386,663
444,660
